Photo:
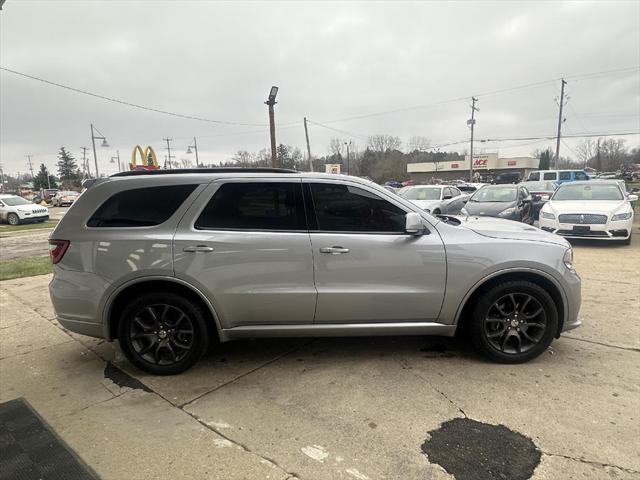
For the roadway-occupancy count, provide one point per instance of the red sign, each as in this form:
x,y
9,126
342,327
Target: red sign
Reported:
x,y
480,162
454,165
511,163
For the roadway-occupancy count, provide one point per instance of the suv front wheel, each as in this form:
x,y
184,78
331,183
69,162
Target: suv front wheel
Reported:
x,y
514,322
163,333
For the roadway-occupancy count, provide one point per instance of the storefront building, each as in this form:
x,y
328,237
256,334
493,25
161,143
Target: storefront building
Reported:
x,y
485,165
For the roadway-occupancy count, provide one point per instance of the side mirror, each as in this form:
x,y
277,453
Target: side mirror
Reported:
x,y
633,198
413,224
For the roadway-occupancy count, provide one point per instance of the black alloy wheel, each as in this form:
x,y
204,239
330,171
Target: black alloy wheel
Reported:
x,y
514,322
163,333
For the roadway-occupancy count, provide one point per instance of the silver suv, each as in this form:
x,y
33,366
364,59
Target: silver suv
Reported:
x,y
168,261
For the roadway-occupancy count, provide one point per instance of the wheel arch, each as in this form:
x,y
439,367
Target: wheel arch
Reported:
x,y
538,277
118,300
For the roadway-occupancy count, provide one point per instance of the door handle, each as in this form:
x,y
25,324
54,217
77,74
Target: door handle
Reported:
x,y
198,248
334,250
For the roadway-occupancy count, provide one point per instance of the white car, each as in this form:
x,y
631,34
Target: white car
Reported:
x,y
436,199
15,210
589,210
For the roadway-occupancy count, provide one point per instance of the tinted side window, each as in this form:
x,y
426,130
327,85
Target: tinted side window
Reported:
x,y
455,192
343,208
140,207
549,176
535,176
255,206
581,176
565,175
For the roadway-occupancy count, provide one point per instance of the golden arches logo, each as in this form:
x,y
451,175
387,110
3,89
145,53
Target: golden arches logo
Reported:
x,y
148,159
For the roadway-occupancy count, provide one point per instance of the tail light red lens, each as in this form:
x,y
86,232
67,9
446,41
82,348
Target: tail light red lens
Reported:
x,y
57,249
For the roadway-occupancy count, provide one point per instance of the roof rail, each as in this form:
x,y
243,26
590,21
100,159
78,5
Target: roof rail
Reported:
x,y
135,173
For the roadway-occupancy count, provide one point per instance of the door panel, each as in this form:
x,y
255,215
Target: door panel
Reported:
x,y
252,277
383,278
366,268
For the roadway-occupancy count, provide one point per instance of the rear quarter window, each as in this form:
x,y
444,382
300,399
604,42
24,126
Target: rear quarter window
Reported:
x,y
140,207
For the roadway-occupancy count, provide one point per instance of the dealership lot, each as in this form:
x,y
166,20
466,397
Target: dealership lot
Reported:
x,y
341,408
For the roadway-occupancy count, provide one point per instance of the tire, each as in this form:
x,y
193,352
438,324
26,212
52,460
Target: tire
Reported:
x,y
163,333
514,322
436,211
13,219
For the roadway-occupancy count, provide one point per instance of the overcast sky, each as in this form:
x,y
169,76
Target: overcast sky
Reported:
x,y
331,60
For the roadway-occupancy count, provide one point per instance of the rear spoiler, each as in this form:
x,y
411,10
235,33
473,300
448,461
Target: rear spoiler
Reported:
x,y
89,182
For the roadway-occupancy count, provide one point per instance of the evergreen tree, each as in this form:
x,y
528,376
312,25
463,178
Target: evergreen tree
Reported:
x,y
67,166
43,179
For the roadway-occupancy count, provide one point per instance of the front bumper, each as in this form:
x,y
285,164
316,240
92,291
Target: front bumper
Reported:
x,y
619,230
28,218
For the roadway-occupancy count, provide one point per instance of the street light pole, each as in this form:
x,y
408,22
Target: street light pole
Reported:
x,y
348,145
93,144
271,101
195,147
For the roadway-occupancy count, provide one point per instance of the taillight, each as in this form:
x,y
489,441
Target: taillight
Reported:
x,y
57,249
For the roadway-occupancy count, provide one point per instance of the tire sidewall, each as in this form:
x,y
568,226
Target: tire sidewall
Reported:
x,y
13,215
490,297
193,311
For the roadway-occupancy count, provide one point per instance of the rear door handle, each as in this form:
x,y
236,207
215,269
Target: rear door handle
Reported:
x,y
334,250
198,248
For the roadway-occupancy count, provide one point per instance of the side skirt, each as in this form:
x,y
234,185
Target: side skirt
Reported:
x,y
337,330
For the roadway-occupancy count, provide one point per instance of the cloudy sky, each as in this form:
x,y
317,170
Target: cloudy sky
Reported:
x,y
359,68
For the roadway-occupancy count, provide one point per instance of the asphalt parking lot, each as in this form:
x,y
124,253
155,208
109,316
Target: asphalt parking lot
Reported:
x,y
363,408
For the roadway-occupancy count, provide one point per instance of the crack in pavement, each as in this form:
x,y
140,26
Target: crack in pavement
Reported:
x,y
591,462
628,349
405,365
269,362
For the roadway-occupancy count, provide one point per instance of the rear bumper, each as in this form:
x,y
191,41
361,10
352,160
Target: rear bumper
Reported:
x,y
83,328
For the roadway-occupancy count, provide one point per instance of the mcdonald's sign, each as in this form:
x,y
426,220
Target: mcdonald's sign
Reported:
x,y
148,159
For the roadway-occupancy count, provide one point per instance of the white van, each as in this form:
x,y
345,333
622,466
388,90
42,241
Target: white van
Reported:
x,y
557,176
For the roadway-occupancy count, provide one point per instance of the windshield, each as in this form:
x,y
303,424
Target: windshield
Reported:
x,y
588,192
13,201
504,194
427,193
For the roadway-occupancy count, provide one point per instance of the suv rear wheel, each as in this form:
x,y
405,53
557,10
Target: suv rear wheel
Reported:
x,y
163,333
514,322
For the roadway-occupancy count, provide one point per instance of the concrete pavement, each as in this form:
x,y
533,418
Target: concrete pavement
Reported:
x,y
349,408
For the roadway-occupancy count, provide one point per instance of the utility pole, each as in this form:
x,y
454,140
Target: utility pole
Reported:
x,y
598,159
472,123
348,145
118,155
561,104
168,157
85,164
306,134
195,147
271,101
30,167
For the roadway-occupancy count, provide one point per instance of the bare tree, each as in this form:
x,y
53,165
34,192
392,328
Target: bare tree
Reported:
x,y
419,143
383,143
336,146
586,150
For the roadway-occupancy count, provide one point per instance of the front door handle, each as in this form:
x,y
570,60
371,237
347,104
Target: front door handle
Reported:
x,y
334,250
198,248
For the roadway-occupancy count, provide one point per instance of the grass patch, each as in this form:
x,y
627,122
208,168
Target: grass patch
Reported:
x,y
27,226
24,267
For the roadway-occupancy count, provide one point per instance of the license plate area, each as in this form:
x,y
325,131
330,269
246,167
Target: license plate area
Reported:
x,y
581,228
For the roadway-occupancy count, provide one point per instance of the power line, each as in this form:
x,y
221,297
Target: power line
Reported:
x,y
130,104
484,94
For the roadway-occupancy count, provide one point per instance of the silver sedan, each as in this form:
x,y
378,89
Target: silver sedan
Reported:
x,y
436,199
